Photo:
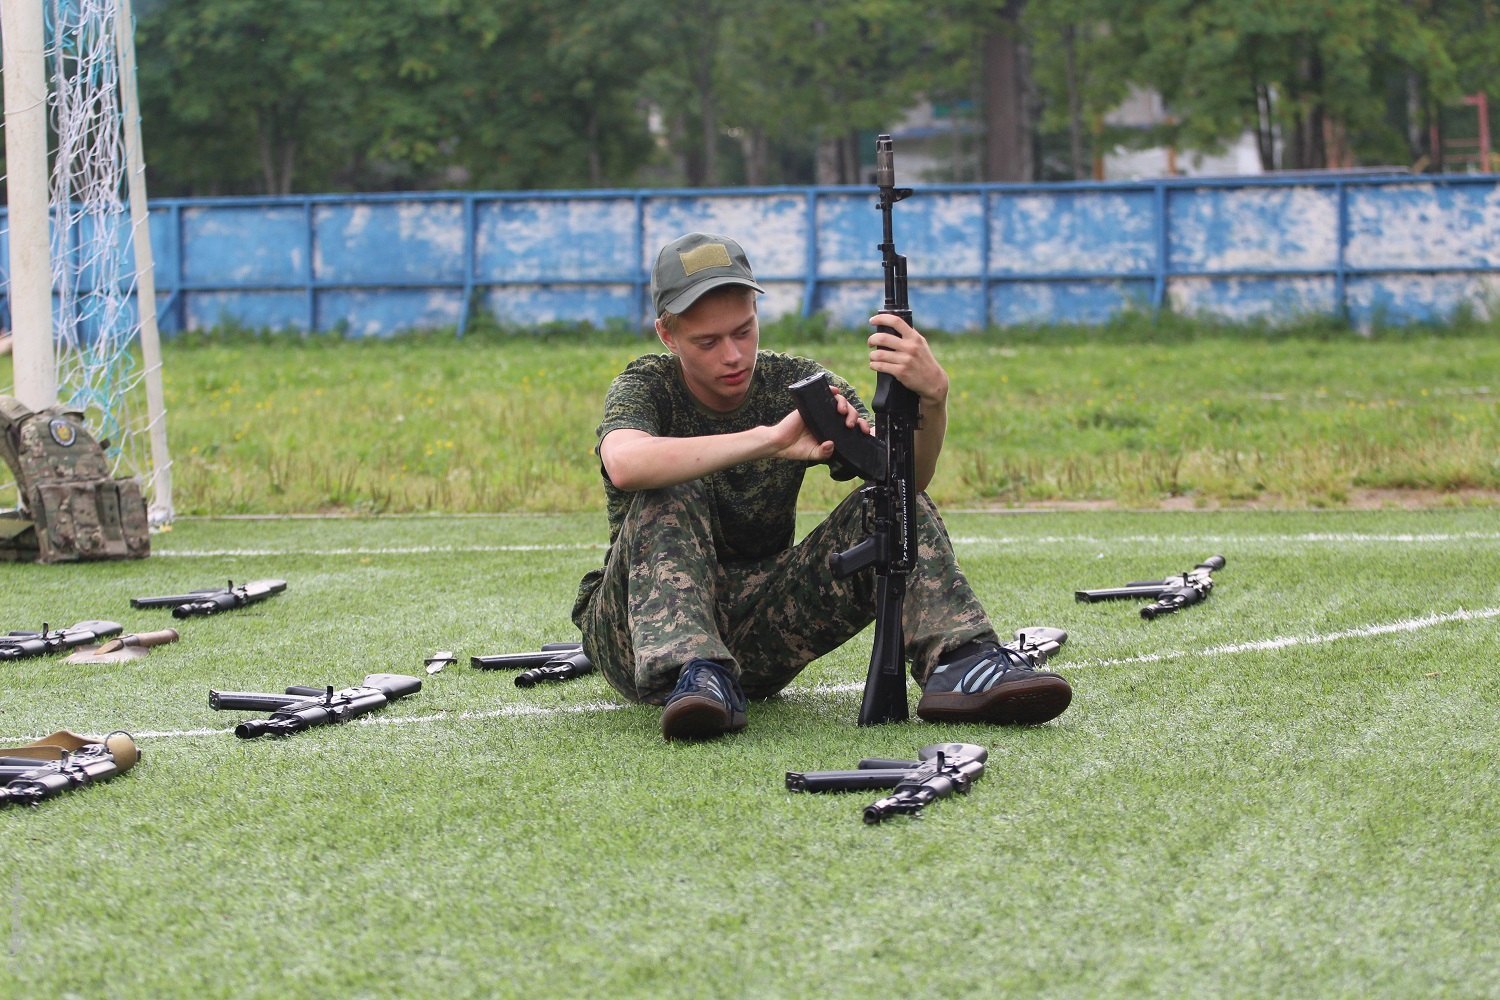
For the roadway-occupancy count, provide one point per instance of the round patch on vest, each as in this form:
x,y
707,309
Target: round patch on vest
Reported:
x,y
62,432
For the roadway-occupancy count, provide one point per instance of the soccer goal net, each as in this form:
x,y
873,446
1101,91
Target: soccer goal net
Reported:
x,y
80,299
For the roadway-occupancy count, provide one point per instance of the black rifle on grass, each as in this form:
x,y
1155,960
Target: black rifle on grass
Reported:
x,y
888,461
20,645
941,770
555,661
211,602
1168,594
64,760
304,707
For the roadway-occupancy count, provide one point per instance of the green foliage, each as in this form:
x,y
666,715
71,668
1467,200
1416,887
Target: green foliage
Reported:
x,y
380,94
1285,791
292,95
1323,82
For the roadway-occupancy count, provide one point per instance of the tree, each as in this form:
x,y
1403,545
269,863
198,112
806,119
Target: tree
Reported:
x,y
1307,78
770,81
230,90
1081,71
1471,34
272,96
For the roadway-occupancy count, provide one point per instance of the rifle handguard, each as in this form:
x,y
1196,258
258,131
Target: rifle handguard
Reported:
x,y
910,798
252,728
560,668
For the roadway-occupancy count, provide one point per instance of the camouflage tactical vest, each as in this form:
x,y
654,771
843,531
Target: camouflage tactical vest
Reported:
x,y
71,507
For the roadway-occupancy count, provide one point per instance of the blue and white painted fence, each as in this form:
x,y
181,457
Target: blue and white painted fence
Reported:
x,y
1369,248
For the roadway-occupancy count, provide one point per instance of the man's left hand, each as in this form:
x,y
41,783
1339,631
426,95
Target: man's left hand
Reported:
x,y
908,358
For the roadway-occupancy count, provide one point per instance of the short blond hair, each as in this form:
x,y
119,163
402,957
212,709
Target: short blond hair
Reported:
x,y
670,320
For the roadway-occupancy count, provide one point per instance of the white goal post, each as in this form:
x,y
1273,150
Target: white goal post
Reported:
x,y
83,319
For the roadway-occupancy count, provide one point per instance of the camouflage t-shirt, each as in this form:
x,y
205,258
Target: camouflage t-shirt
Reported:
x,y
752,506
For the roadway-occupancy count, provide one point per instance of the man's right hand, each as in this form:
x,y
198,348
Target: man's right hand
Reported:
x,y
796,443
806,446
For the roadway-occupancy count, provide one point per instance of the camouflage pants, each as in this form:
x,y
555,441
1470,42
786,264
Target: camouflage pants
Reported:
x,y
666,599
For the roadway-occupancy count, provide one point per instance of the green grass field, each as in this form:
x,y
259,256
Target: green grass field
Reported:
x,y
1134,415
1285,791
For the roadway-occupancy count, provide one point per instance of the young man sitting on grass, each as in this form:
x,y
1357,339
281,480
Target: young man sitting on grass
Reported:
x,y
705,598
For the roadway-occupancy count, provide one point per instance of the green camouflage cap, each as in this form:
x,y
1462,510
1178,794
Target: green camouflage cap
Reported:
x,y
691,265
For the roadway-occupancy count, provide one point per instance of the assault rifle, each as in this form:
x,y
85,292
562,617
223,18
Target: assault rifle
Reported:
x,y
304,707
888,462
19,645
555,661
1169,594
941,770
211,602
64,760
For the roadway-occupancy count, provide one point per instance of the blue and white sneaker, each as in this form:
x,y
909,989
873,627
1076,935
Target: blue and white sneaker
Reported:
x,y
706,702
999,684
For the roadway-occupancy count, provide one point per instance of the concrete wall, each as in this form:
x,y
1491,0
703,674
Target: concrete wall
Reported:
x,y
1388,248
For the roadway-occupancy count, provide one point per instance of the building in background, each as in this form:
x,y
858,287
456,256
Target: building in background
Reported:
x,y
938,143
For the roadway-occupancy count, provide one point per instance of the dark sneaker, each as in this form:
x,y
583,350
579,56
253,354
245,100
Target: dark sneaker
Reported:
x,y
999,684
706,702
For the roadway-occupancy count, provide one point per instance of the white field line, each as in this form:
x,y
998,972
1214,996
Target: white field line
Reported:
x,y
1337,538
818,690
507,712
1314,537
1284,642
395,550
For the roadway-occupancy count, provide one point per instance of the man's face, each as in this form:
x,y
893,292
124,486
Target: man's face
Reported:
x,y
716,340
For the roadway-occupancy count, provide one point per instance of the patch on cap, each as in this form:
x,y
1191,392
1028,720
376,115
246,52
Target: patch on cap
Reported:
x,y
708,255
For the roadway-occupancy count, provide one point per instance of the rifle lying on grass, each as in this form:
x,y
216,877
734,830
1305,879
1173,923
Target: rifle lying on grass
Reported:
x,y
943,768
19,645
888,462
211,602
64,760
1168,594
304,707
555,661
